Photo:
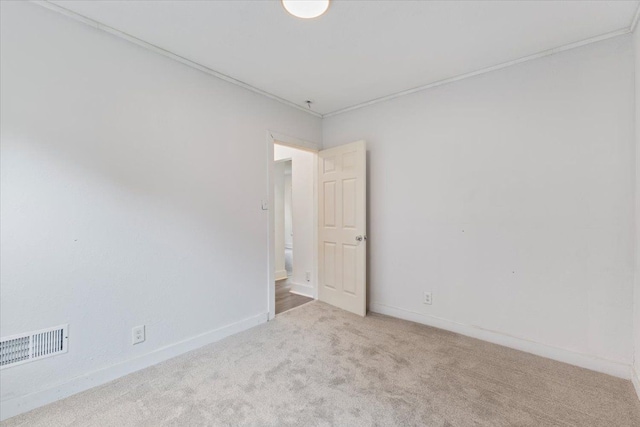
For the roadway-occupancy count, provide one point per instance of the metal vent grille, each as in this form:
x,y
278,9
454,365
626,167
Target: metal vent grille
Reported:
x,y
22,348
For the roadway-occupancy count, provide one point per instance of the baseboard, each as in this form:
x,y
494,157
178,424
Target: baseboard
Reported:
x,y
301,289
618,369
635,379
18,405
281,274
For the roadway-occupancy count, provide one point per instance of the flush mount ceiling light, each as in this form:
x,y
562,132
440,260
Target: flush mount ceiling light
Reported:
x,y
306,9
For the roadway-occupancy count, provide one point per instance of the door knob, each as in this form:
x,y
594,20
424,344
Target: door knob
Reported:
x,y
361,238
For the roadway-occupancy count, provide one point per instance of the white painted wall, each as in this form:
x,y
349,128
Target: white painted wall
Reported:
x,y
279,226
288,209
636,339
302,200
509,196
131,188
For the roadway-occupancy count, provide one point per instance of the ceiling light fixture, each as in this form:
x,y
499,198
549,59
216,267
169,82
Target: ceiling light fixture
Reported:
x,y
306,9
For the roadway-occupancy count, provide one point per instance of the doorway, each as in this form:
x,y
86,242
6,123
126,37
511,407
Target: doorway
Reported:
x,y
327,250
294,226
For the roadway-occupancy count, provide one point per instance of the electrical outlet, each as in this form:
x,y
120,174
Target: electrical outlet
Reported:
x,y
308,276
138,334
427,298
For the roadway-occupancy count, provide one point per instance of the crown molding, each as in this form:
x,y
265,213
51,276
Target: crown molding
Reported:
x,y
634,22
98,25
157,49
542,54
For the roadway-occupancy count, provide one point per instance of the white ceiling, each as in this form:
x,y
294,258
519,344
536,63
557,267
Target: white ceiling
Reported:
x,y
358,50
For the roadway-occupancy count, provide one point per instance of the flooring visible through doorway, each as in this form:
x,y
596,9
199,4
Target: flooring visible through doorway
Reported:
x,y
285,299
321,366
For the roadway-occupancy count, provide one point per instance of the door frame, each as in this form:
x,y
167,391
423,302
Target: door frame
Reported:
x,y
300,144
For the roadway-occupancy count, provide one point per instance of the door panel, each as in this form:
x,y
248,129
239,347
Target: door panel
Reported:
x,y
349,203
329,204
342,227
329,265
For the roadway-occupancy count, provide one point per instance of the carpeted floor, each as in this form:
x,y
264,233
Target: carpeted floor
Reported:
x,y
319,366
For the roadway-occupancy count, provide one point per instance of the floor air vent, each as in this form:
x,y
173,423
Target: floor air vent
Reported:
x,y
23,348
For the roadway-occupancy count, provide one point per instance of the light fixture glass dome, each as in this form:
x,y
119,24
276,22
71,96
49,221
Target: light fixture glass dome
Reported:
x,y
306,9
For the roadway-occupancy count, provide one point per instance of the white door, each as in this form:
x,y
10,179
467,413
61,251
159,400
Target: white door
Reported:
x,y
342,221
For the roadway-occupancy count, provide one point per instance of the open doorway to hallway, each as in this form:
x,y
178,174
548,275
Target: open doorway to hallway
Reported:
x,y
328,223
294,205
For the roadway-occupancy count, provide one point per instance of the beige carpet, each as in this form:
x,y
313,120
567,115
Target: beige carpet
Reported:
x,y
319,366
